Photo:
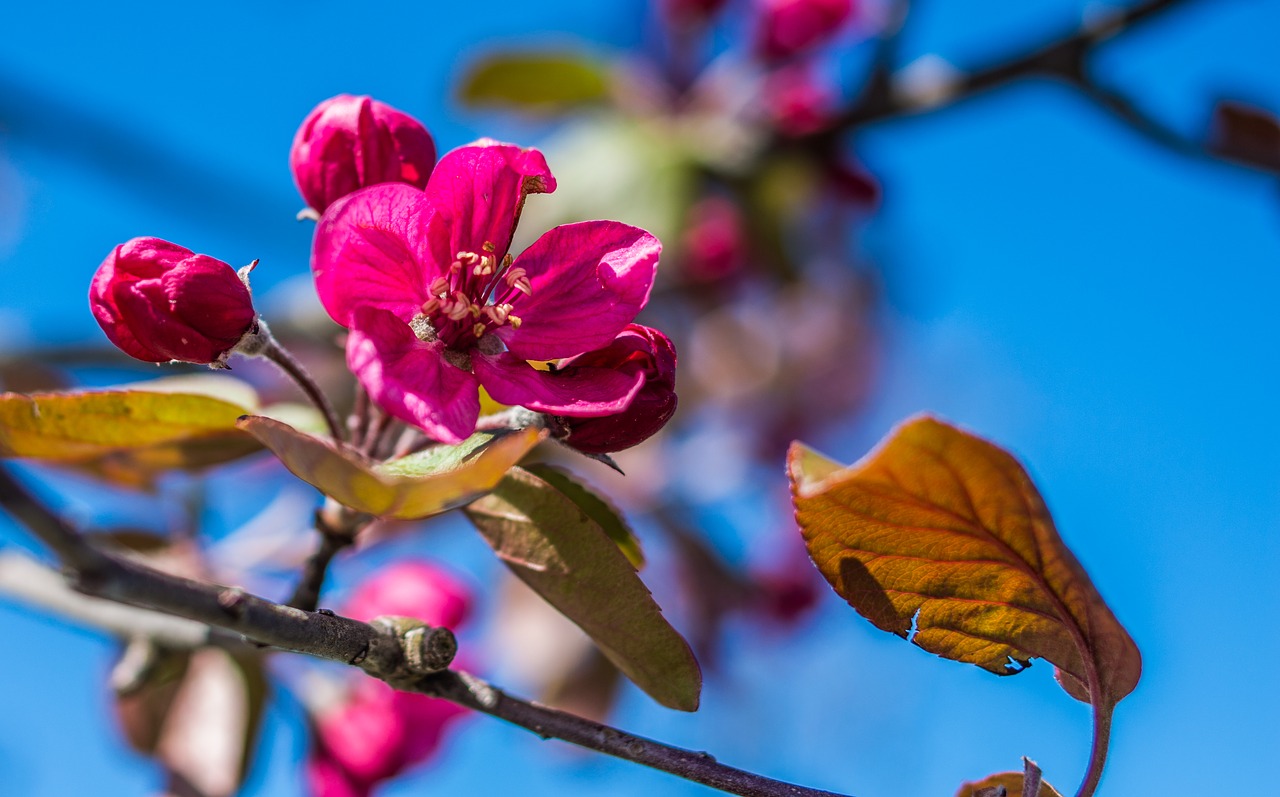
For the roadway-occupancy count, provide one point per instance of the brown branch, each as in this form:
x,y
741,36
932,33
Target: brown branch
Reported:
x,y
698,767
1065,57
402,653
286,362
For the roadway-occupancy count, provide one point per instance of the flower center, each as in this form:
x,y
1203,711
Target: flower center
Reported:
x,y
476,296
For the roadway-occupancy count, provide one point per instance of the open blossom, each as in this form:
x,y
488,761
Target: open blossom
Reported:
x,y
789,27
436,307
637,349
348,142
158,301
378,732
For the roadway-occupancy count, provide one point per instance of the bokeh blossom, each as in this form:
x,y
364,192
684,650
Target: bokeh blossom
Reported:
x,y
158,301
436,307
347,143
377,732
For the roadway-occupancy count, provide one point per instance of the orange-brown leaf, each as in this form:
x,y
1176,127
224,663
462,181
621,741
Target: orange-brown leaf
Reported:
x,y
1011,781
939,527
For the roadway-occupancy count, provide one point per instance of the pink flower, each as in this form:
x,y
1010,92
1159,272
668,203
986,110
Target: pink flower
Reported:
x,y
378,732
637,349
436,306
688,13
714,240
347,143
411,589
797,100
790,27
158,302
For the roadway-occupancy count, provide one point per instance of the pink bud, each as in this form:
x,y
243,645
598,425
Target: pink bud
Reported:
x,y
411,589
158,302
637,348
797,100
348,142
714,241
789,27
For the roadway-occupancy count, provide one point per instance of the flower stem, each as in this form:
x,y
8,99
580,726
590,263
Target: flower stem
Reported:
x,y
273,351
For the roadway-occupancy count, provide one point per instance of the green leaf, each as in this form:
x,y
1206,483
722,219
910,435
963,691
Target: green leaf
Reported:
x,y
538,82
413,487
127,436
593,585
597,508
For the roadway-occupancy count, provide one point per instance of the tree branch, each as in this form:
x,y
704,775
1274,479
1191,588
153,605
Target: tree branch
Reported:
x,y
1066,57
403,653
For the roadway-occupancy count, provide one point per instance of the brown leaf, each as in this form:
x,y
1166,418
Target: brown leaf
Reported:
x,y
939,528
1246,133
560,551
1011,782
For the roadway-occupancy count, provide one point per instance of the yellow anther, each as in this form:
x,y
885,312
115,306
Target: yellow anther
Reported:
x,y
478,329
489,247
514,321
507,260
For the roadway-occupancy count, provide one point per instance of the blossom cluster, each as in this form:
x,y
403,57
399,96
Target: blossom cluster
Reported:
x,y
412,258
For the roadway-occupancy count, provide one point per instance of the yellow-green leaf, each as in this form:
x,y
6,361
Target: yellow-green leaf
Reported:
x,y
540,82
413,487
590,582
127,436
939,527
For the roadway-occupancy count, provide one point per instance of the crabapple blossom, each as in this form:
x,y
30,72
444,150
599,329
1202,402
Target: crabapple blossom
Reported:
x,y
158,302
436,307
637,349
348,142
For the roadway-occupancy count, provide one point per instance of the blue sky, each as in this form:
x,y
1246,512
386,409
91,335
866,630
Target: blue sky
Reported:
x,y
1103,308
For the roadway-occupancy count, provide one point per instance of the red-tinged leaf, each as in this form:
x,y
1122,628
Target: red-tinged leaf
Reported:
x,y
580,571
211,726
1010,782
126,436
412,487
939,526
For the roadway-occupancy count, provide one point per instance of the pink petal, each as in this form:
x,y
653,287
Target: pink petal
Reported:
x,y
370,249
410,379
411,589
580,392
477,191
589,280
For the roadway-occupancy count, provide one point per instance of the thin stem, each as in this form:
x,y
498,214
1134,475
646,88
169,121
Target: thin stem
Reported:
x,y
306,595
379,649
281,356
1101,743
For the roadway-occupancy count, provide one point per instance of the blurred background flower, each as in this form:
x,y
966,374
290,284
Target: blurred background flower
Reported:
x,y
1053,263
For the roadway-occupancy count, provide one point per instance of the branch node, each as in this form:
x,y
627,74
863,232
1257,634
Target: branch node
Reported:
x,y
232,601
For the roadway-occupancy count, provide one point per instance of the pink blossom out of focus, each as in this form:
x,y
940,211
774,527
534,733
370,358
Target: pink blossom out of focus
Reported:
x,y
436,307
378,732
787,28
158,301
637,349
797,101
347,143
689,13
714,241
